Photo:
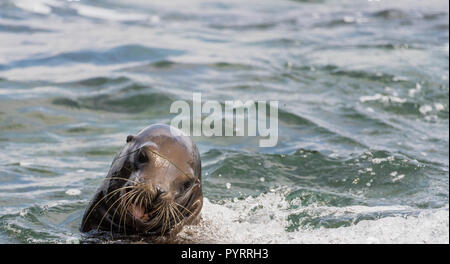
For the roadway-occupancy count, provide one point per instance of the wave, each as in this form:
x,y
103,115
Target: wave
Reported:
x,y
266,219
21,29
133,103
359,179
116,55
390,14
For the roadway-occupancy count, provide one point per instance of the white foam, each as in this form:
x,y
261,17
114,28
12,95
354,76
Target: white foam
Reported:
x,y
39,7
264,220
73,192
73,240
382,98
439,107
43,7
112,15
424,109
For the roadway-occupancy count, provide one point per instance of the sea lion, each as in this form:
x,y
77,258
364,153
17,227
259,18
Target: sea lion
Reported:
x,y
152,188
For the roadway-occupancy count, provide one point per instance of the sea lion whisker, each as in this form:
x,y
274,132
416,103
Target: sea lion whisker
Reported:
x,y
111,225
122,178
118,190
104,215
169,216
119,208
115,211
131,200
189,211
165,220
175,222
123,210
179,225
135,201
161,216
141,199
178,211
172,216
106,196
178,216
158,218
122,199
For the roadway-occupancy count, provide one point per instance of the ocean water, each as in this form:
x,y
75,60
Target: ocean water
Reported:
x,y
363,91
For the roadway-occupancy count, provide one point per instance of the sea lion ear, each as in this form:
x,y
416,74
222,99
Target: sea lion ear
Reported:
x,y
130,138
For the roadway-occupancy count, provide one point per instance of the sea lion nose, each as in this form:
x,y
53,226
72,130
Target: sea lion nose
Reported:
x,y
162,194
159,191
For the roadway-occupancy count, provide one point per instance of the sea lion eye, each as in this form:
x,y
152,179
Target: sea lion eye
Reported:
x,y
187,185
142,157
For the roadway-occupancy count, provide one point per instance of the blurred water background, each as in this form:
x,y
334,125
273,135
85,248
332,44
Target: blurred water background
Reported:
x,y
363,86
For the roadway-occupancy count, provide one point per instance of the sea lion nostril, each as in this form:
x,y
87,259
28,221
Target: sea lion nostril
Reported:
x,y
159,191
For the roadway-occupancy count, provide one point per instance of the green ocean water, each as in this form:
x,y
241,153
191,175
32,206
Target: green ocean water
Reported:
x,y
363,91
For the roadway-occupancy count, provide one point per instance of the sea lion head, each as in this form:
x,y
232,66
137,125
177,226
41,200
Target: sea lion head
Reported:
x,y
153,186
